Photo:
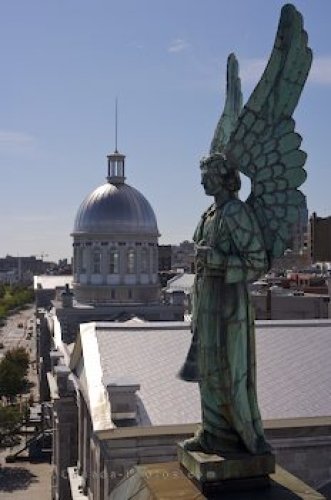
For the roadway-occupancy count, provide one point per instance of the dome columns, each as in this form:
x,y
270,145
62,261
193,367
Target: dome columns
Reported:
x,y
115,271
116,167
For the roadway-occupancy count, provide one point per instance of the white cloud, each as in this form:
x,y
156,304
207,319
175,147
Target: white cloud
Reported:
x,y
17,143
178,45
15,138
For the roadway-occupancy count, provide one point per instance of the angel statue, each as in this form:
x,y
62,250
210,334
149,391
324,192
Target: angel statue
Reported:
x,y
236,241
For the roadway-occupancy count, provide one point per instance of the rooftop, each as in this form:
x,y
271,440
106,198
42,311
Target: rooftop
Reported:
x,y
50,282
293,368
182,282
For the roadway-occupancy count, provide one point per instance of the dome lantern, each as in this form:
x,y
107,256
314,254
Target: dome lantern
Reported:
x,y
116,163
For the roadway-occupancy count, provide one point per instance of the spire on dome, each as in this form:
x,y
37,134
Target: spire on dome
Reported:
x,y
116,161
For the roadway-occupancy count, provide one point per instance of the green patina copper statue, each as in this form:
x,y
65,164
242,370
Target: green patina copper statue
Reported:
x,y
236,241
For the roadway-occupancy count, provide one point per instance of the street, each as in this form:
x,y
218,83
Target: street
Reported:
x,y
20,331
23,479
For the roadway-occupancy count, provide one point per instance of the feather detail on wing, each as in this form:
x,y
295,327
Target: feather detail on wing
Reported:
x,y
232,107
264,146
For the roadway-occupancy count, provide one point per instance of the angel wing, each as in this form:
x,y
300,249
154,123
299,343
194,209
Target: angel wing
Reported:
x,y
264,145
232,107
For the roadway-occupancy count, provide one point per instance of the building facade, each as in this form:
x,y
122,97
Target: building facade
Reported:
x,y
320,238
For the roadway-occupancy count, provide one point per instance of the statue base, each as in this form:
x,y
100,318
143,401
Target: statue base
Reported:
x,y
169,480
229,472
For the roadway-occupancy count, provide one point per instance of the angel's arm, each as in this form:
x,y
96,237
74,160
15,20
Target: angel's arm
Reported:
x,y
239,252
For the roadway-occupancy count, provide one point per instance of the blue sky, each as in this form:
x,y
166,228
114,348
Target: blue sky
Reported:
x,y
64,62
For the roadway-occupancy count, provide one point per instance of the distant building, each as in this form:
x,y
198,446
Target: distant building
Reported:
x,y
292,260
320,238
183,256
180,288
8,277
299,232
165,257
22,268
173,257
115,243
48,288
278,303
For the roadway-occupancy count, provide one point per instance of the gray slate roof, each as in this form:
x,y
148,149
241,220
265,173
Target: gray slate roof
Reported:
x,y
293,358
182,282
152,356
294,369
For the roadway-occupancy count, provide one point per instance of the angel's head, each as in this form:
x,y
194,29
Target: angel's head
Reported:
x,y
218,175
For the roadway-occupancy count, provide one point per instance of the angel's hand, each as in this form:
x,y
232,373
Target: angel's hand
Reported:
x,y
201,254
210,258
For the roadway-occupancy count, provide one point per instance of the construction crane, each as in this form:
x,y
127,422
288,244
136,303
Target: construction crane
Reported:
x,y
41,255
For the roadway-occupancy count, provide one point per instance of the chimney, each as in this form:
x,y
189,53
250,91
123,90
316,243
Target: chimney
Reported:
x,y
62,373
177,297
122,396
55,356
67,297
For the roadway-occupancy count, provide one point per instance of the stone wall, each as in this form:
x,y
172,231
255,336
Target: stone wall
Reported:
x,y
305,452
291,307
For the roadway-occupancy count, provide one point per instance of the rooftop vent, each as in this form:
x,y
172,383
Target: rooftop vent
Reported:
x,y
55,357
122,395
62,373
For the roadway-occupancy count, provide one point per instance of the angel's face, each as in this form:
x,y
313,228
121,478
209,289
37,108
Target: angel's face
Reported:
x,y
211,177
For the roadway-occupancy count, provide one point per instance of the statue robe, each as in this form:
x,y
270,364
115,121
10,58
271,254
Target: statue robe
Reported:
x,y
223,327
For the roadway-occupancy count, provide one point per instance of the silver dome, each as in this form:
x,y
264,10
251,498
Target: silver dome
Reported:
x,y
115,209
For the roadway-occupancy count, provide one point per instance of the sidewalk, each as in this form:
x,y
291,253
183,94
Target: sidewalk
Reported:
x,y
25,480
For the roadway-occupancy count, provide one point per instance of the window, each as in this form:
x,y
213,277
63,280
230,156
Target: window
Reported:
x,y
155,260
114,261
78,260
82,258
112,294
96,263
131,262
76,269
144,260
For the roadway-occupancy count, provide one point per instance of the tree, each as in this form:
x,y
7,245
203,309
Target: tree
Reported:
x,y
11,418
13,370
12,296
12,381
20,357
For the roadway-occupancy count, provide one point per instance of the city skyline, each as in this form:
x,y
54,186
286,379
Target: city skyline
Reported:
x,y
65,64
